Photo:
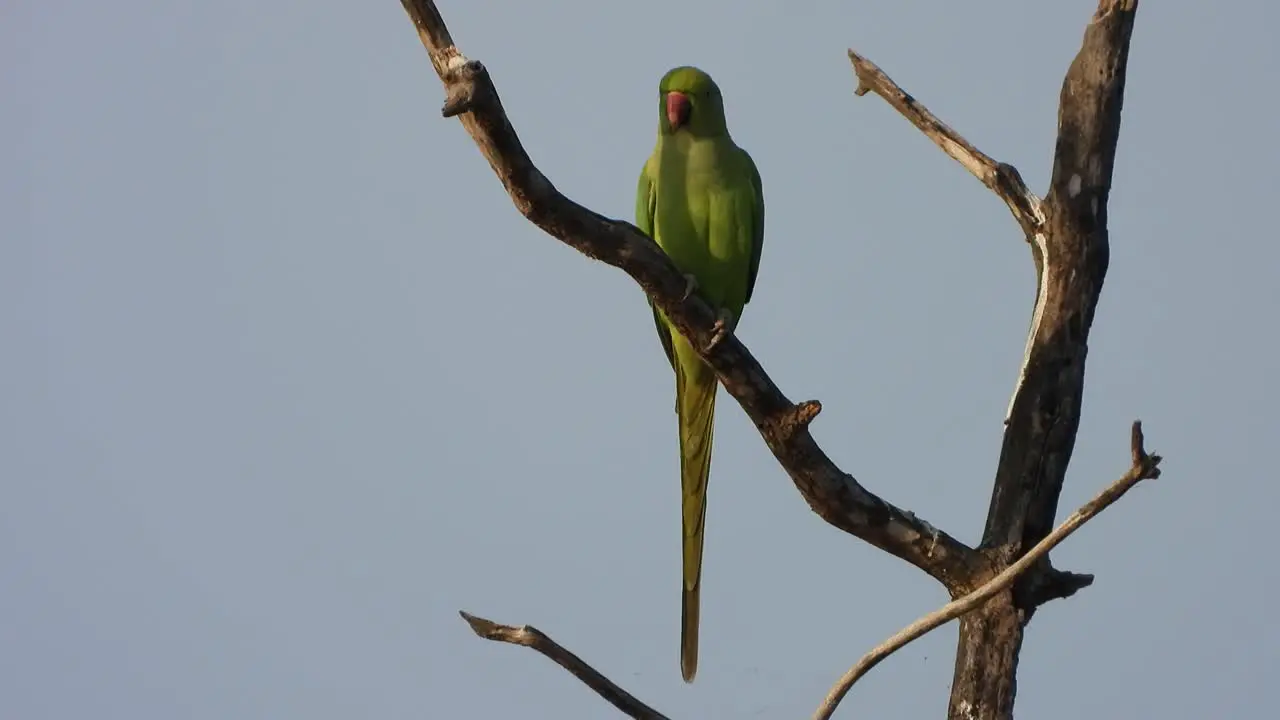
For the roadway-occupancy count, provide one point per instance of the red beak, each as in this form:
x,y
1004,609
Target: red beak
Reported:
x,y
677,109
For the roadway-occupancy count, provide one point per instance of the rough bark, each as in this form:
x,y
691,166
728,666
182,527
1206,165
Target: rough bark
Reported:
x,y
1070,251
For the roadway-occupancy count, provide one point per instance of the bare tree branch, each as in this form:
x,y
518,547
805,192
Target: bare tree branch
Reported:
x,y
1040,437
1003,179
532,637
1144,467
832,493
1067,232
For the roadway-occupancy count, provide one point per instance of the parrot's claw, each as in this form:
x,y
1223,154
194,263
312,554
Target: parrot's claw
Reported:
x,y
690,286
722,328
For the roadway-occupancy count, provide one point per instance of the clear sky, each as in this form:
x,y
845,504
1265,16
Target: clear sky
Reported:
x,y
287,381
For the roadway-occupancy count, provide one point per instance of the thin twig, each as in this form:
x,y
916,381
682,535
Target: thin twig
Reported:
x,y
534,638
1002,178
1144,467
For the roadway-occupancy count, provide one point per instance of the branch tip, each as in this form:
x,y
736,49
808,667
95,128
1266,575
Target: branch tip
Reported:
x,y
800,416
490,630
1059,584
863,88
531,637
1106,7
1146,465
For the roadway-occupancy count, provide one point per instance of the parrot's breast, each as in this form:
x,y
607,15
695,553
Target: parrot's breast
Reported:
x,y
703,214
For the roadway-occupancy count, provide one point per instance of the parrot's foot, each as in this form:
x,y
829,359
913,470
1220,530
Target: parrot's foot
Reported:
x,y
690,286
725,323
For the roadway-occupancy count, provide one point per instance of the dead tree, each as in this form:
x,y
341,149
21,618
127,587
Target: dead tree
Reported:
x,y
996,586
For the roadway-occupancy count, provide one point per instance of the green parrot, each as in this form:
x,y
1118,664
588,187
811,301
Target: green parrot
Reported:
x,y
700,200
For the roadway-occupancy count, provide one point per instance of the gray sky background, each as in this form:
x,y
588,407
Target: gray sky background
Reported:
x,y
287,381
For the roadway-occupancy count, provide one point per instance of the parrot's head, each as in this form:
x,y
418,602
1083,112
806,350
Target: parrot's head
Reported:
x,y
689,101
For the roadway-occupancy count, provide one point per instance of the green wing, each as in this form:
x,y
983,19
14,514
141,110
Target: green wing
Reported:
x,y
757,224
646,202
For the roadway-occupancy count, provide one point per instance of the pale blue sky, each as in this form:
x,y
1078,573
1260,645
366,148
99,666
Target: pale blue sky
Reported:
x,y
287,381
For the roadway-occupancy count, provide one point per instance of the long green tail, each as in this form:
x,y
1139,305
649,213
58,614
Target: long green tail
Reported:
x,y
696,388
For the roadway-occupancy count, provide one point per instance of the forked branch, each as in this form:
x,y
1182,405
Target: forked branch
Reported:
x,y
1069,240
1144,467
832,493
